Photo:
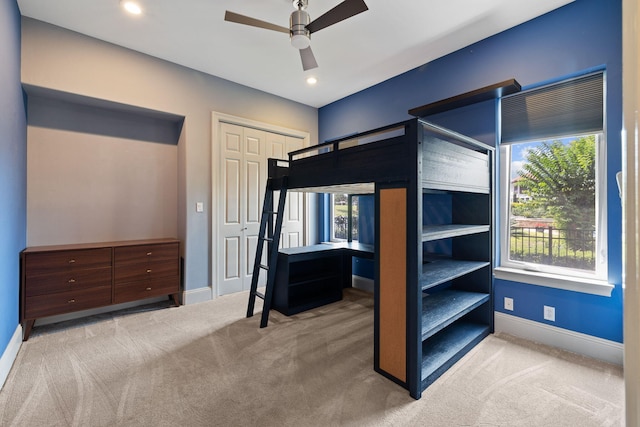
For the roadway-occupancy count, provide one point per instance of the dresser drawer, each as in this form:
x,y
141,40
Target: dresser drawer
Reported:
x,y
66,302
148,270
146,253
40,263
68,281
146,289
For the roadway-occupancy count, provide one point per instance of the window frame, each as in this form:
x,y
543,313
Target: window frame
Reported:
x,y
550,276
332,229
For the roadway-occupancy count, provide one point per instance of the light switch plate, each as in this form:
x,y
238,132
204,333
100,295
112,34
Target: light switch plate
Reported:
x,y
549,313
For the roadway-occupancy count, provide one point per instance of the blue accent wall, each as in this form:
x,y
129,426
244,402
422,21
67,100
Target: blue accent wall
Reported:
x,y
13,170
583,36
366,234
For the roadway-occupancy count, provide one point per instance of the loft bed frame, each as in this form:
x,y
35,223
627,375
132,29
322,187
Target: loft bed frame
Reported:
x,y
433,238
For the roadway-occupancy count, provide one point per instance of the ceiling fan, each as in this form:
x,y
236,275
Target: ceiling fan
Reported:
x,y
301,27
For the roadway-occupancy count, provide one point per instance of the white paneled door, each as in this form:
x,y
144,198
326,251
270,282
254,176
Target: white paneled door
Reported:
x,y
278,147
243,169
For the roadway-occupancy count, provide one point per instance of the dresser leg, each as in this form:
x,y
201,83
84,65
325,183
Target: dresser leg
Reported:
x,y
26,328
174,297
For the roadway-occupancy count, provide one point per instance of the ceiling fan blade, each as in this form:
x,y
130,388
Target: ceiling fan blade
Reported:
x,y
344,10
308,60
241,19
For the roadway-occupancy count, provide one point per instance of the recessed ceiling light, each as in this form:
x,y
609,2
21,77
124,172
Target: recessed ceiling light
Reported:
x,y
132,7
311,81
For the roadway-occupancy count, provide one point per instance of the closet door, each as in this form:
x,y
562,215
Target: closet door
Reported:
x,y
278,147
243,177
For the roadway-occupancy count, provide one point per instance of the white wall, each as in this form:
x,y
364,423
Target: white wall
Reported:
x,y
62,60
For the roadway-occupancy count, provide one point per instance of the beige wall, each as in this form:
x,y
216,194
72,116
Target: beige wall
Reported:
x,y
631,209
62,60
90,188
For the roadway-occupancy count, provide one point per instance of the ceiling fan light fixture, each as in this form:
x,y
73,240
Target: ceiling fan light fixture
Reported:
x,y
300,41
298,21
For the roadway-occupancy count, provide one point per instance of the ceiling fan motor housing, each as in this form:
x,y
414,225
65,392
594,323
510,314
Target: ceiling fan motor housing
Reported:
x,y
298,24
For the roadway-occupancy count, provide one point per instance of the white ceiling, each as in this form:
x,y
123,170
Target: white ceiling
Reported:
x,y
390,38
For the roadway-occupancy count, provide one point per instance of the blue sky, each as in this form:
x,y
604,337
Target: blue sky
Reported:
x,y
519,153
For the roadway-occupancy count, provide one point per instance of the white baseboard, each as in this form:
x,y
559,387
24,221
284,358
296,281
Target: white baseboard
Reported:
x,y
576,342
9,355
363,283
195,296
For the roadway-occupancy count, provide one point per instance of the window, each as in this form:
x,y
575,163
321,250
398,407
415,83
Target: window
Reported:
x,y
552,186
344,217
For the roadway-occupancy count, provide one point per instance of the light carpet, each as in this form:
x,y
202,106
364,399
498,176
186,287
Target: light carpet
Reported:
x,y
207,365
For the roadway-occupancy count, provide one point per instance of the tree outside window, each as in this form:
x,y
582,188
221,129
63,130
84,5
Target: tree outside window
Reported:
x,y
344,217
553,197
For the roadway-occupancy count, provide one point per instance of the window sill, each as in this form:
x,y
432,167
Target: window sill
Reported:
x,y
574,284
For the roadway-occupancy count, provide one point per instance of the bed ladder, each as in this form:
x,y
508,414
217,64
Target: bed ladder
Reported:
x,y
269,233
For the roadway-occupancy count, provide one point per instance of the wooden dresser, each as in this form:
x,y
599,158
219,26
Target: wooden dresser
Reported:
x,y
66,278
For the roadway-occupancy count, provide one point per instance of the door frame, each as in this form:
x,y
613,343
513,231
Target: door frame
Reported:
x,y
216,119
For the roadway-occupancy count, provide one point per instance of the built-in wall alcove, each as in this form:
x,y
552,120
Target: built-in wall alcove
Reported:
x,y
98,170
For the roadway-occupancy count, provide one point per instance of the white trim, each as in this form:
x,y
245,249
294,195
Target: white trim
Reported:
x,y
241,121
9,355
216,119
362,283
568,283
576,342
195,296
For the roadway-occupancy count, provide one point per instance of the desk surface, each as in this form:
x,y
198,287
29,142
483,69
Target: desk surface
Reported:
x,y
355,248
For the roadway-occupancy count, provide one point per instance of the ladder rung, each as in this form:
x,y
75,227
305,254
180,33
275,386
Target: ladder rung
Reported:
x,y
259,295
268,239
264,267
270,212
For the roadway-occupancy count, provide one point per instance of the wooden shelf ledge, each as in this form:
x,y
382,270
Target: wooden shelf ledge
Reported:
x,y
493,91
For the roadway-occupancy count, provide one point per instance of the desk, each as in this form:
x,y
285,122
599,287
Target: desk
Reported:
x,y
312,276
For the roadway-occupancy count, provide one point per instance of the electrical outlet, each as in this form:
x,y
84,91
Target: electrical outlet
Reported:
x,y
549,313
199,207
508,303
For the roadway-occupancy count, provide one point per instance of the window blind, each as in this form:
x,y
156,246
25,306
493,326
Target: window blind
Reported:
x,y
571,107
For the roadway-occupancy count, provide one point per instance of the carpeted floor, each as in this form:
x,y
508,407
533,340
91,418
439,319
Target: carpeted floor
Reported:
x,y
207,365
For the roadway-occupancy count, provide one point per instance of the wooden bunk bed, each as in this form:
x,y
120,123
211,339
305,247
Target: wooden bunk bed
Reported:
x,y
433,239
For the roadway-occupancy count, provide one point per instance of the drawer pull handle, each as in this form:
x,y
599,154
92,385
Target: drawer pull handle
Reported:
x,y
149,253
72,261
71,301
71,281
148,289
148,270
